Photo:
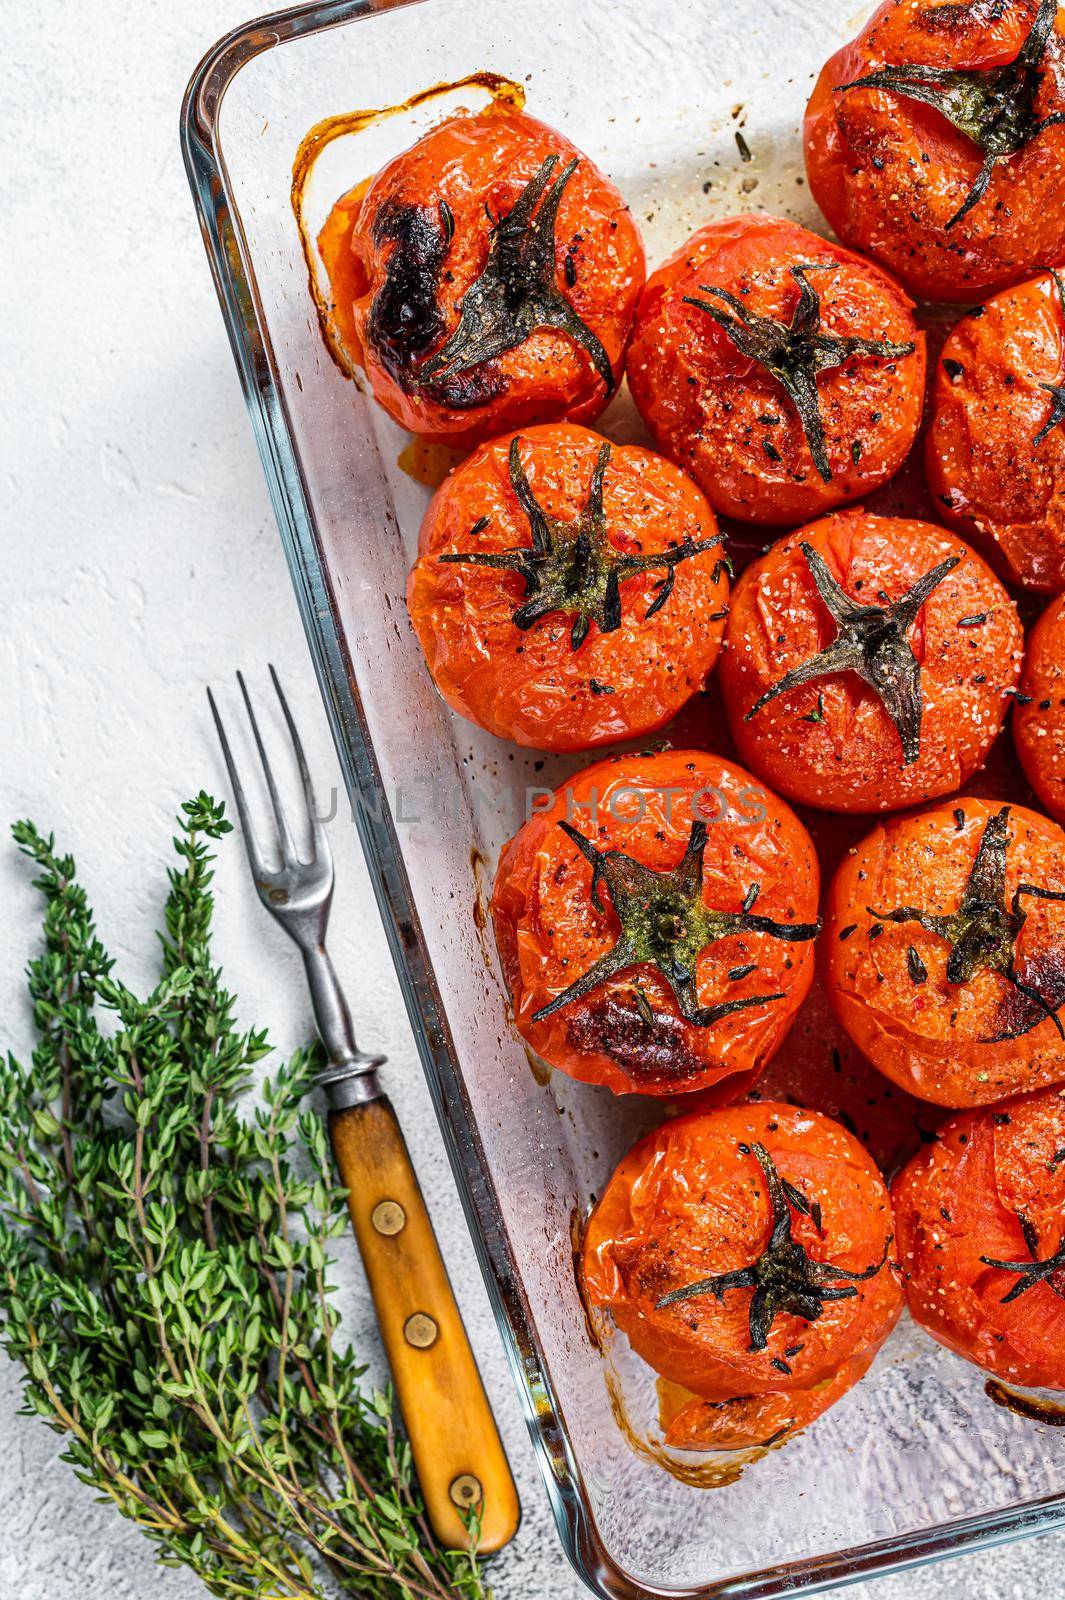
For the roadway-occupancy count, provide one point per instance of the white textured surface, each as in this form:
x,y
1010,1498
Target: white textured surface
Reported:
x,y
142,561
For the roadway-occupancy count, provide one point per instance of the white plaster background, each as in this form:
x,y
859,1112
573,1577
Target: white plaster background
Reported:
x,y
140,562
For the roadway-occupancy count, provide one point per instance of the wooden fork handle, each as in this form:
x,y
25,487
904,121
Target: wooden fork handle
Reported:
x,y
454,1440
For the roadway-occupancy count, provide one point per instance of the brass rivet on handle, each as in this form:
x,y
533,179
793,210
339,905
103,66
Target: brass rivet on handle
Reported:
x,y
388,1217
465,1490
420,1330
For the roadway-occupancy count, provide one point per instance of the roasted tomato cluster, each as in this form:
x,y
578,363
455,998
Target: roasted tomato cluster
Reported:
x,y
657,920
746,1255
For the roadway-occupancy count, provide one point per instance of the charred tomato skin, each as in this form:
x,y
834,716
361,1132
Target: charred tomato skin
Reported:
x,y
438,202
935,1038
549,933
999,477
531,685
889,173
726,420
832,743
961,1199
690,1202
1039,725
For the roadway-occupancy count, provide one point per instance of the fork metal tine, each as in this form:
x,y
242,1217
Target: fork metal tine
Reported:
x,y
288,848
298,895
319,843
251,842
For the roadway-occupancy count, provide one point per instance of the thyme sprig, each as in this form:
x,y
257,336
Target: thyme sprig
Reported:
x,y
164,1265
573,566
795,352
995,107
784,1277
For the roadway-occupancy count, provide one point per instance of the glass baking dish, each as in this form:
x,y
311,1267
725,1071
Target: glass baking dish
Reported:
x,y
915,1463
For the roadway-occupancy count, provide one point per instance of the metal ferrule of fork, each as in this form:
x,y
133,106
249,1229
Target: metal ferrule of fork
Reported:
x,y
298,894
350,1079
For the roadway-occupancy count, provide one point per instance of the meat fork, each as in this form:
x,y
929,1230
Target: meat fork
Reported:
x,y
454,1441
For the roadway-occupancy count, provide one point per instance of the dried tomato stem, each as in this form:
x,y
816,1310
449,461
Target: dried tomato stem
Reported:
x,y
1033,1271
795,352
517,292
573,566
871,642
784,1277
665,924
984,930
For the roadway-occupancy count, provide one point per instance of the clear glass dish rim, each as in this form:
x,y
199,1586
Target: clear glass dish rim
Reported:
x,y
249,339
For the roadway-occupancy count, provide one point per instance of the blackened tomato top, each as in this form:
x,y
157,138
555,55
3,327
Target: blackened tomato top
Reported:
x,y
655,923
486,278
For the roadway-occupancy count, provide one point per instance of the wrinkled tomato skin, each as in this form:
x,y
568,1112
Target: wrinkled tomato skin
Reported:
x,y
818,1065
831,743
688,1203
476,165
889,173
748,1421
1039,725
549,933
931,1037
995,484
961,1198
532,686
706,404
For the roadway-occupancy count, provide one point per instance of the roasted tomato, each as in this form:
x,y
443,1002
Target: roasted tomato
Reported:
x,y
784,373
487,278
1039,716
944,951
746,1421
744,1253
655,923
869,662
568,592
981,1238
935,142
996,447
